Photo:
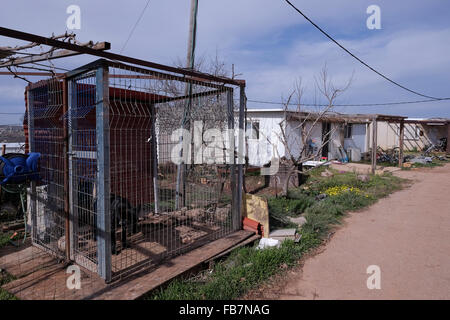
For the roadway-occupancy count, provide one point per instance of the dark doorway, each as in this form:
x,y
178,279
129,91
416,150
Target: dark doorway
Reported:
x,y
326,128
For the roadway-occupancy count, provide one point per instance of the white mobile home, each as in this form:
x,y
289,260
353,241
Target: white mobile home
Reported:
x,y
264,132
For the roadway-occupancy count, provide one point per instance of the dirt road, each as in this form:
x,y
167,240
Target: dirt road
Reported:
x,y
407,235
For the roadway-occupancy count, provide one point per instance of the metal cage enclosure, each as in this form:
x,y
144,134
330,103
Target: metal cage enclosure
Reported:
x,y
137,165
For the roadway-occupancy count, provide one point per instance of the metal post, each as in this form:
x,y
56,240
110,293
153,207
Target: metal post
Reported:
x,y
73,197
103,173
397,133
412,135
192,34
33,194
402,137
2,153
374,144
180,189
154,148
235,211
367,137
66,170
241,158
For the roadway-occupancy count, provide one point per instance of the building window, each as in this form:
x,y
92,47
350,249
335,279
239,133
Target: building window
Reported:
x,y
348,131
412,132
252,129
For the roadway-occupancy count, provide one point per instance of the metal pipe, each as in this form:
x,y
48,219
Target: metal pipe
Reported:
x,y
103,175
241,143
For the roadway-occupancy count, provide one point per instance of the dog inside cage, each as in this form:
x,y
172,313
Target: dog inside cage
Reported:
x,y
124,217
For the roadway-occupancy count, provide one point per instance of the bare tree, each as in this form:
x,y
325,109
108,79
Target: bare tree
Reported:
x,y
296,128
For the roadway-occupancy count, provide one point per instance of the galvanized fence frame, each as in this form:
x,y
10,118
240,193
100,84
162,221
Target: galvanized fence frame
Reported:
x,y
46,208
104,73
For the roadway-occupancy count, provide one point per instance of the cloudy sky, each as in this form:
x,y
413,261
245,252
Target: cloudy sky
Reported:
x,y
268,42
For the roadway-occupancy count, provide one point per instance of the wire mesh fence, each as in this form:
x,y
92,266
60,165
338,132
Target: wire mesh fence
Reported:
x,y
46,198
137,165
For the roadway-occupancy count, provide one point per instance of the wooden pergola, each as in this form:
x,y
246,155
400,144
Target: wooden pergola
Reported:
x,y
358,118
389,119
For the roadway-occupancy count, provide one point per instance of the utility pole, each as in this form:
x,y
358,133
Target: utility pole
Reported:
x,y
192,35
185,124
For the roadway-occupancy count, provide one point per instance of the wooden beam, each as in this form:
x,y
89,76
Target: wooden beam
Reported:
x,y
137,287
397,133
402,136
448,137
374,144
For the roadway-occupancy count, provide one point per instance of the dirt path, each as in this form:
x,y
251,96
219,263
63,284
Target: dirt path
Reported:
x,y
407,235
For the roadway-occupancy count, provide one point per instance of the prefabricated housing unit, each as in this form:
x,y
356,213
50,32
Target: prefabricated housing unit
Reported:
x,y
263,132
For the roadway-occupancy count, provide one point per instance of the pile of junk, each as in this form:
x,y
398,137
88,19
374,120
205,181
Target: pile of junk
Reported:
x,y
17,170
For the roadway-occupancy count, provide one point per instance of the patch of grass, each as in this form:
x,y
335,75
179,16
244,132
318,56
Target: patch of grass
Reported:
x,y
325,214
4,279
316,185
241,271
4,276
321,217
435,163
380,186
282,208
288,206
5,295
4,239
253,173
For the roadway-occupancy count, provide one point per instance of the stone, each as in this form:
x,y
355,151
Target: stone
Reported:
x,y
321,196
407,165
283,234
327,173
298,220
363,177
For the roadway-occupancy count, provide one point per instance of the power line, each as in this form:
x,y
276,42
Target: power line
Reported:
x,y
317,105
354,105
135,25
358,59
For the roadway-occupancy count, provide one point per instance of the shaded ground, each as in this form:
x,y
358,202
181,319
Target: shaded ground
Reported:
x,y
406,234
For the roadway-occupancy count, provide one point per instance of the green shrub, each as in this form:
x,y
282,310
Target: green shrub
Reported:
x,y
321,217
4,279
5,295
280,209
4,238
290,207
